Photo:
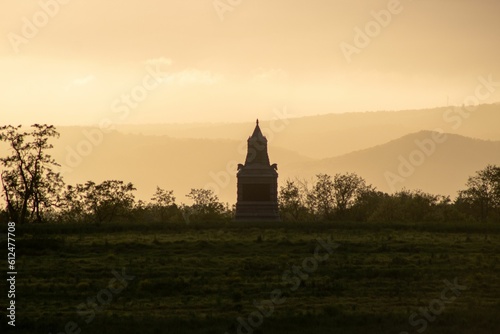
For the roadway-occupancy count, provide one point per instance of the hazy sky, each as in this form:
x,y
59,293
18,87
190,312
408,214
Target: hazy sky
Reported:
x,y
92,59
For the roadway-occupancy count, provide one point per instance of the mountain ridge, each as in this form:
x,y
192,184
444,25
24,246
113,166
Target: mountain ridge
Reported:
x,y
444,169
345,132
184,163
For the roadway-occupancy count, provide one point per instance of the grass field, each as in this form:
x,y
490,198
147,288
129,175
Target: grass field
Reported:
x,y
202,278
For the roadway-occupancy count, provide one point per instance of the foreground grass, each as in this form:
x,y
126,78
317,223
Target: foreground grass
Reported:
x,y
202,278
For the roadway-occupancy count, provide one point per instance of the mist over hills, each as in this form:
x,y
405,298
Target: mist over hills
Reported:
x,y
414,161
150,161
373,145
331,135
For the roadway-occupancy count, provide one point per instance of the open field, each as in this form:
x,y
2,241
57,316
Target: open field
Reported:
x,y
202,278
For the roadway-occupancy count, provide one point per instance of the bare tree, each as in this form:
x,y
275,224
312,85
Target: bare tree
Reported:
x,y
29,183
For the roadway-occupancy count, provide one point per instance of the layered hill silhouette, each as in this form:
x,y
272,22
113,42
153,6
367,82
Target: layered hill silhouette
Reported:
x,y
181,164
331,135
391,150
150,161
414,161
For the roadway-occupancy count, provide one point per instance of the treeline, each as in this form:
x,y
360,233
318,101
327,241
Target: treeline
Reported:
x,y
114,200
34,192
349,197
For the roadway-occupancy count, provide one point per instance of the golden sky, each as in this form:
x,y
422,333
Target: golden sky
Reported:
x,y
149,61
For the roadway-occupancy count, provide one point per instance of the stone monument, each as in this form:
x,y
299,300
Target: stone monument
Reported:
x,y
257,183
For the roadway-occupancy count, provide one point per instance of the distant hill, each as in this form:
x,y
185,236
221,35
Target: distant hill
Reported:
x,y
181,157
171,163
181,164
332,135
442,171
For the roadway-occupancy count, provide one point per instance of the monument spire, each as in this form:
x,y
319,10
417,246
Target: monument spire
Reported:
x,y
257,148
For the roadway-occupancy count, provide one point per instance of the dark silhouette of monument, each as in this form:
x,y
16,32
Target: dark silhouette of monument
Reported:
x,y
257,183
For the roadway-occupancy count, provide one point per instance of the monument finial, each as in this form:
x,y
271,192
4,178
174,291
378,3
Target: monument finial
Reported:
x,y
257,121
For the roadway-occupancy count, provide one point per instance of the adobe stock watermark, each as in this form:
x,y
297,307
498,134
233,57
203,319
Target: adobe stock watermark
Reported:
x,y
292,278
223,6
98,303
420,320
121,108
453,117
31,27
221,179
372,29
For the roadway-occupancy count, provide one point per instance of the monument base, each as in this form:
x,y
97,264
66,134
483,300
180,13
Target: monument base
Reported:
x,y
257,211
